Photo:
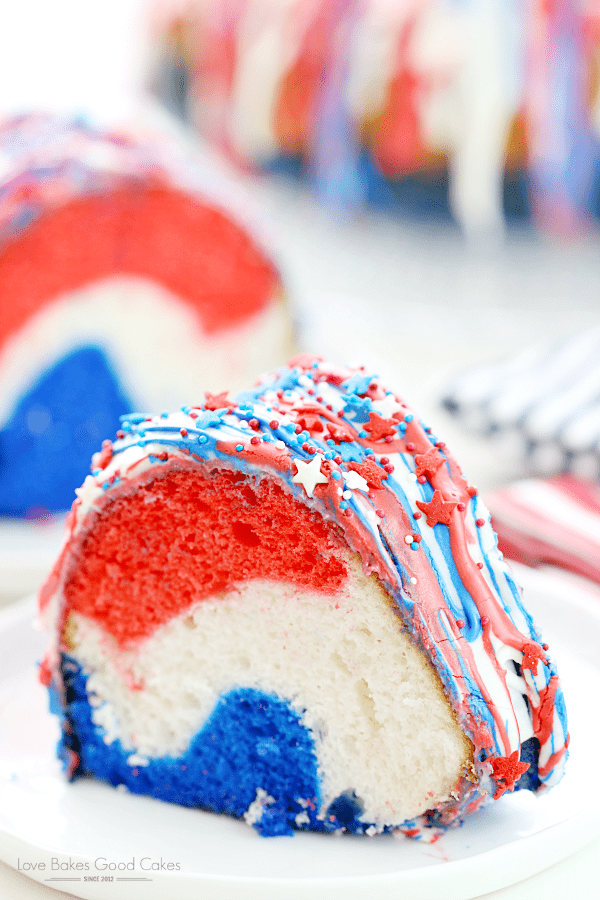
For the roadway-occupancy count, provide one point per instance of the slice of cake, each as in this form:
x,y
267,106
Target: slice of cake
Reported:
x,y
291,608
126,282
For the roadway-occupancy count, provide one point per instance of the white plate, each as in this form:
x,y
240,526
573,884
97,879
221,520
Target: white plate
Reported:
x,y
28,551
44,819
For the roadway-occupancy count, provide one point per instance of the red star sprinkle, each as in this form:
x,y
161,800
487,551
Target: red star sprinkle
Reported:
x,y
370,471
216,401
507,771
308,418
531,656
338,433
428,463
438,509
380,427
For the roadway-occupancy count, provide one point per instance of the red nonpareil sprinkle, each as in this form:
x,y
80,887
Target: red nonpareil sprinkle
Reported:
x,y
440,444
485,620
410,447
148,419
329,407
389,468
162,456
348,512
298,429
421,479
417,538
341,413
255,439
193,415
338,459
305,446
273,424
480,565
417,515
380,513
461,507
311,449
310,392
388,439
480,522
384,460
120,434
254,424
183,432
319,399
544,646
460,623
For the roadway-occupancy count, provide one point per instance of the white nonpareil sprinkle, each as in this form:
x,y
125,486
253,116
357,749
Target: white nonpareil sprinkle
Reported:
x,y
408,539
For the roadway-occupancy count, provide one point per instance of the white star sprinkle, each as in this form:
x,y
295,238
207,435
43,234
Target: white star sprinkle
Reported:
x,y
309,475
354,481
386,407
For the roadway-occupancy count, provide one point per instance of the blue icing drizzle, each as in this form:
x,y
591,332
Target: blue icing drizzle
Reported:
x,y
46,446
250,739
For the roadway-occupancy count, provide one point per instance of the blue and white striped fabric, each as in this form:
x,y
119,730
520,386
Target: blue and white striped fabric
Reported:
x,y
547,397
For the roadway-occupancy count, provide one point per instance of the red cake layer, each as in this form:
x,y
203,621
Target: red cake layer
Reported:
x,y
193,250
186,533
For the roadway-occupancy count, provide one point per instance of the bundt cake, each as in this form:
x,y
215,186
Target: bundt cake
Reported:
x,y
126,282
290,607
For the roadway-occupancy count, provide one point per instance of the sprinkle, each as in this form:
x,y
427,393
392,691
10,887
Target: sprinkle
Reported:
x,y
480,565
545,647
347,512
273,424
362,434
120,434
280,445
418,538
341,413
239,447
461,507
485,620
417,515
254,424
336,476
255,439
330,454
331,442
410,447
311,449
384,460
460,623
164,415
409,417
409,539
414,546
413,580
338,459
183,432
421,479
193,415
243,424
480,522
343,505
347,495
389,468
380,513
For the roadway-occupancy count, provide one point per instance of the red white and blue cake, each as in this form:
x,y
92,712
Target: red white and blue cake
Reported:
x,y
290,607
126,282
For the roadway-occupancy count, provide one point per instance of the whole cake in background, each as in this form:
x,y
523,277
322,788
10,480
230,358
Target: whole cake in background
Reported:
x,y
308,625
478,112
125,283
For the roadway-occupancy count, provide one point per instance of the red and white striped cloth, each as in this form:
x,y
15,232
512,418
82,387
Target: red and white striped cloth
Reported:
x,y
550,521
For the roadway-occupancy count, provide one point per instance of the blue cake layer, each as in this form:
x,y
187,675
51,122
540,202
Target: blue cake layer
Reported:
x,y
45,448
251,740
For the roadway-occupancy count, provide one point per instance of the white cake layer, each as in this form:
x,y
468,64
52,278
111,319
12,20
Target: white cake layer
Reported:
x,y
153,338
380,721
